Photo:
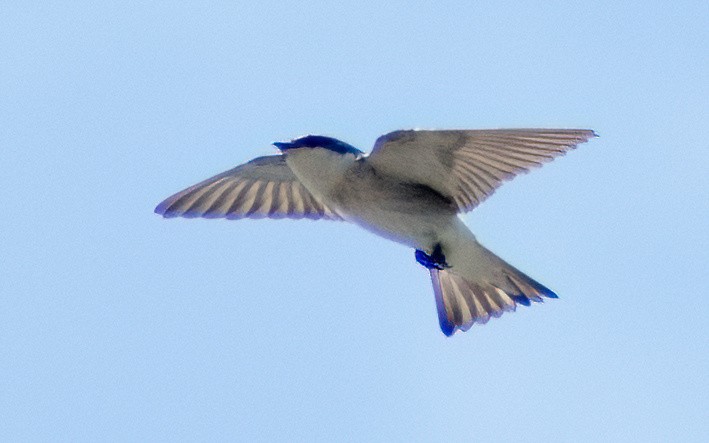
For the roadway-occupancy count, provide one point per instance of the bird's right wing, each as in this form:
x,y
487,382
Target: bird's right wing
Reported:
x,y
468,165
263,187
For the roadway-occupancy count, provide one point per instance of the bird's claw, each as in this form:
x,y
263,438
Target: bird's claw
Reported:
x,y
434,261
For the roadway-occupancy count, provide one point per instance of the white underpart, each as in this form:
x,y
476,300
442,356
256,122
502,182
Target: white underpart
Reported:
x,y
322,171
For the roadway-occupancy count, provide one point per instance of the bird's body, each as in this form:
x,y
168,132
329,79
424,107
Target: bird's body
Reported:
x,y
410,189
408,213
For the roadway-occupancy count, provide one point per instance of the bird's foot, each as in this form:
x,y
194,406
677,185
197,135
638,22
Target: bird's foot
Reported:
x,y
434,261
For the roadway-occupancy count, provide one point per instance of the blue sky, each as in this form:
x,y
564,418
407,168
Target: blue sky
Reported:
x,y
118,325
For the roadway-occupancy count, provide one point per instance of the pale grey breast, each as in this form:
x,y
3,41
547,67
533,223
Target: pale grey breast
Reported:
x,y
364,185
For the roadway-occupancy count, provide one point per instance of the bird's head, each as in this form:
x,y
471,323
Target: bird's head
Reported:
x,y
318,142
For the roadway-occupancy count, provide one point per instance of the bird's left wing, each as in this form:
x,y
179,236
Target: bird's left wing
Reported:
x,y
468,165
263,187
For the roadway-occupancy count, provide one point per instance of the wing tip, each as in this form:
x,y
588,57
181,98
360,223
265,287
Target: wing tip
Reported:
x,y
588,134
163,209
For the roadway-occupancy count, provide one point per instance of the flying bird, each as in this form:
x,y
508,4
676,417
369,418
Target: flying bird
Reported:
x,y
410,189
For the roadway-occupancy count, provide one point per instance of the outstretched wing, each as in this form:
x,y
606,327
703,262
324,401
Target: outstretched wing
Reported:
x,y
467,166
263,187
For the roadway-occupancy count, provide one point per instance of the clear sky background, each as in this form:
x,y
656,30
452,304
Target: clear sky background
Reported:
x,y
118,325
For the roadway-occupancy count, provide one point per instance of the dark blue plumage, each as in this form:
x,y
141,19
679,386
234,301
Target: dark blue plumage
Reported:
x,y
521,299
434,261
319,141
447,326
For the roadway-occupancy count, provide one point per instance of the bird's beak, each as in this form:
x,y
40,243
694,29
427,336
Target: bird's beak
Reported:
x,y
282,145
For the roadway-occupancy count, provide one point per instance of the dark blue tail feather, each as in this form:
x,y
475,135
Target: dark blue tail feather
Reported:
x,y
447,327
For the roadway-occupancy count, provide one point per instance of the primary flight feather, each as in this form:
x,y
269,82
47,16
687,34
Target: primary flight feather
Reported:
x,y
409,189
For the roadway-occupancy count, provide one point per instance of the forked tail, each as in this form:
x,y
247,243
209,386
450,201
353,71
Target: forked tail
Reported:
x,y
471,284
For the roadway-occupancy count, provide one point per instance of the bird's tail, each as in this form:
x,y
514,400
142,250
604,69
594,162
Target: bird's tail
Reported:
x,y
478,285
